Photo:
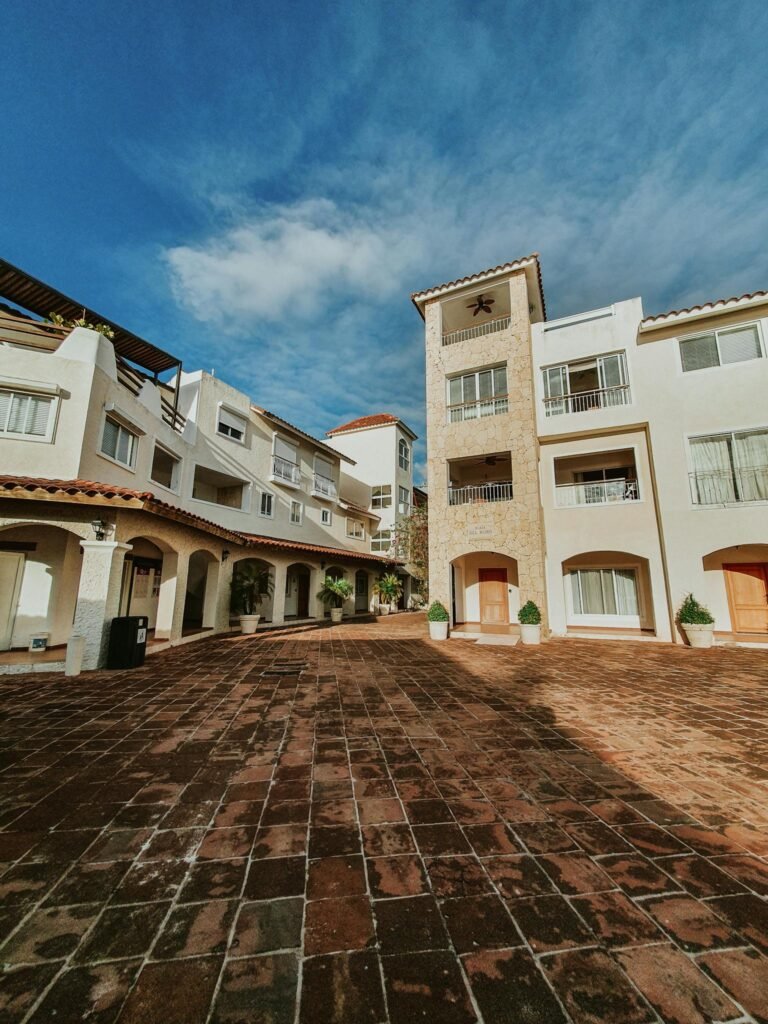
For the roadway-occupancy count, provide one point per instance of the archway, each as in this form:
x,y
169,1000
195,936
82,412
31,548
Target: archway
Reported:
x,y
297,591
39,578
608,590
265,609
485,590
736,588
202,590
149,562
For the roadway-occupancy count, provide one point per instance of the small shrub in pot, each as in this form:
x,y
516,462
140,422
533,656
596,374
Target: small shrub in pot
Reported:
x,y
438,619
529,618
697,622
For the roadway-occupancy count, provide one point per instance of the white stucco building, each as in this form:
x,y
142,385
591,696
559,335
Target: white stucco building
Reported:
x,y
120,494
603,464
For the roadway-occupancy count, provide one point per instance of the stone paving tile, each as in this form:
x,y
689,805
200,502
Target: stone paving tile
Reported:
x,y
400,831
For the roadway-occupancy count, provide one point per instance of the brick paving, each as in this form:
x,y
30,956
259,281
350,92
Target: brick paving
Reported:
x,y
353,825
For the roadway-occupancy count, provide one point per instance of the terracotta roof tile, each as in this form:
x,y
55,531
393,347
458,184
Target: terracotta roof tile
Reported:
x,y
481,275
294,545
297,430
705,307
378,419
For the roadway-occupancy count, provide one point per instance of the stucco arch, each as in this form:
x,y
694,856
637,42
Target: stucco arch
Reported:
x,y
82,530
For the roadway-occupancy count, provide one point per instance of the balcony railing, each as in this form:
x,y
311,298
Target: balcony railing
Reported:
x,y
324,487
596,492
726,487
285,472
584,401
479,494
477,410
489,327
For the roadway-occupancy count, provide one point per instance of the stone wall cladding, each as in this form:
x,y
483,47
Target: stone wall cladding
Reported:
x,y
515,526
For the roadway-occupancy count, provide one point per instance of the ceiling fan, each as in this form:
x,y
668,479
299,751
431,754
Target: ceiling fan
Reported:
x,y
481,305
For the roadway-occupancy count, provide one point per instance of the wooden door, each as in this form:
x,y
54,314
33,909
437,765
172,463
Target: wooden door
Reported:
x,y
11,571
494,605
361,591
748,597
303,601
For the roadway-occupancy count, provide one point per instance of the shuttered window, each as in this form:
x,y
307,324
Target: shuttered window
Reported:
x,y
231,425
118,442
26,415
719,348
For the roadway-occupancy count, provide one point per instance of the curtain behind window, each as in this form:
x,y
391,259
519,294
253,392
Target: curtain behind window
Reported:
x,y
750,452
713,481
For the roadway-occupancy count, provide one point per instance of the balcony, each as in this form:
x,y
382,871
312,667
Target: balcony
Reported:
x,y
285,472
586,401
477,330
324,487
478,410
729,487
598,492
480,494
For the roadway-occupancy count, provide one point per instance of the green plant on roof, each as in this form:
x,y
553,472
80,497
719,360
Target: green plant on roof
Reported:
x,y
60,321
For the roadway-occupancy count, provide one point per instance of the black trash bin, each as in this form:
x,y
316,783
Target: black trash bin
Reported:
x,y
127,641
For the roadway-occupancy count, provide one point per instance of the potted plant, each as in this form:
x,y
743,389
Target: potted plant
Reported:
x,y
529,618
697,621
388,589
334,592
438,619
250,585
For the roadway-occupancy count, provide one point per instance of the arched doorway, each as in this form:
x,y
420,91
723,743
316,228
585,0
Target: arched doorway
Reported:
x,y
361,591
297,591
608,590
265,609
485,589
142,578
202,590
736,588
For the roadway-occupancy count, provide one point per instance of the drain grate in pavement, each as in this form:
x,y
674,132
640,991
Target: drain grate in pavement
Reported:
x,y
285,668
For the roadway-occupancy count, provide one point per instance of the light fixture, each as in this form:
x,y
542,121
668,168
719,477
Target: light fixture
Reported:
x,y
224,555
99,528
322,566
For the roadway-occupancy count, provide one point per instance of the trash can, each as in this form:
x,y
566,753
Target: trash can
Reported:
x,y
127,641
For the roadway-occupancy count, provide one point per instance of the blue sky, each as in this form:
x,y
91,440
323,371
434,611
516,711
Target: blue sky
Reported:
x,y
259,187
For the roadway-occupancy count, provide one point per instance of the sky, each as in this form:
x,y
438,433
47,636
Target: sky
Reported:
x,y
259,187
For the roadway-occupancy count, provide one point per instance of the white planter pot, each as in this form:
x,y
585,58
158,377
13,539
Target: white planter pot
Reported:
x,y
248,623
336,614
699,635
438,631
383,609
530,634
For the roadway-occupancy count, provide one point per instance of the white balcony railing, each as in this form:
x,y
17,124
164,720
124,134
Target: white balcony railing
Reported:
x,y
479,494
324,487
489,327
584,401
596,492
725,487
285,472
477,410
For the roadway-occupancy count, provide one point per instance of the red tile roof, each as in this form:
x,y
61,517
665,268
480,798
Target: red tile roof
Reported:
x,y
319,549
705,307
274,418
378,419
481,275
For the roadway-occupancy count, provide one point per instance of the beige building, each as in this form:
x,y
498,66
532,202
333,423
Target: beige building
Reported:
x,y
123,495
603,464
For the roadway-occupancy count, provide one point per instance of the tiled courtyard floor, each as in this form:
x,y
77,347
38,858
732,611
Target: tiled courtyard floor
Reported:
x,y
356,825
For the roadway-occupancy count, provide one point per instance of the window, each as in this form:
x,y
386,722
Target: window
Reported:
x,y
381,541
404,455
355,529
266,505
118,443
165,468
325,517
605,592
598,383
474,395
26,415
730,467
718,348
381,496
297,513
231,425
403,500
285,463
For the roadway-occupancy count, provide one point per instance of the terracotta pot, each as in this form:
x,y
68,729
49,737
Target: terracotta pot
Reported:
x,y
248,623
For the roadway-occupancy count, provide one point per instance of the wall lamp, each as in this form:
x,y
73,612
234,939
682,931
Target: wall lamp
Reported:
x,y
322,566
99,528
224,555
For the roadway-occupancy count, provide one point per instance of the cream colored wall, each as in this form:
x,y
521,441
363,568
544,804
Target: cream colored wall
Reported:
x,y
467,581
511,528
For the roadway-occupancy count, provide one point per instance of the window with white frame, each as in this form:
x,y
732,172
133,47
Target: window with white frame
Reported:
x,y
297,513
474,395
381,541
231,425
326,518
381,496
729,467
165,468
266,504
119,443
720,347
404,455
600,382
355,529
403,500
26,415
605,592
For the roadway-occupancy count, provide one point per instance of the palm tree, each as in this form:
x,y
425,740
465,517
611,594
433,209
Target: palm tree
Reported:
x,y
250,585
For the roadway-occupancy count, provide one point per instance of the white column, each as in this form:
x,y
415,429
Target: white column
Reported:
x,y
180,596
211,595
316,606
165,603
224,594
278,600
98,596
